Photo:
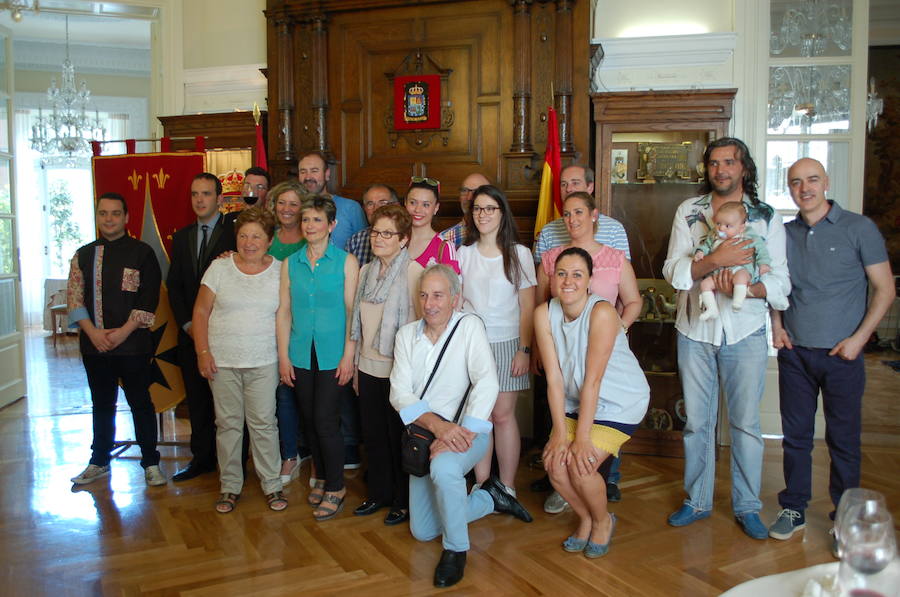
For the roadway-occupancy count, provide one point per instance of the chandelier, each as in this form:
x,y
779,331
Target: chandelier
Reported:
x,y
809,25
16,7
800,96
64,136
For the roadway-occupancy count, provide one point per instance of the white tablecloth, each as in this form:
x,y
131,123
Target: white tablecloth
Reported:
x,y
792,584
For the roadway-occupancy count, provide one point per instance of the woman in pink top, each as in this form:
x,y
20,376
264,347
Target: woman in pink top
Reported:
x,y
425,245
612,277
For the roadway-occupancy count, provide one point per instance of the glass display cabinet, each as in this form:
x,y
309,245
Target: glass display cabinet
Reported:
x,y
649,158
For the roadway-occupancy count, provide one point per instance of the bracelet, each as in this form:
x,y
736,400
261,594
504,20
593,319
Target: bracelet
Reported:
x,y
204,351
750,292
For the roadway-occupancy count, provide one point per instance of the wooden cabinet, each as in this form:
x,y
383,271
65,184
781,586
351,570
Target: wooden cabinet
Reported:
x,y
649,158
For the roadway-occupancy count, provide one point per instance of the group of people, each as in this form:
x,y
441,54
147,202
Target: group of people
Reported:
x,y
308,314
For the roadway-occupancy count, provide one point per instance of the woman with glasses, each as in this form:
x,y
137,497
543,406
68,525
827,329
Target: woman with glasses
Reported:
x,y
498,284
425,244
385,300
315,353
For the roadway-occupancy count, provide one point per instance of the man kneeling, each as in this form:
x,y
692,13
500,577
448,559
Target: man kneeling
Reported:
x,y
438,504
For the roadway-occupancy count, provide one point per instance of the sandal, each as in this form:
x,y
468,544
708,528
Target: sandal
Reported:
x,y
227,502
325,513
318,491
276,501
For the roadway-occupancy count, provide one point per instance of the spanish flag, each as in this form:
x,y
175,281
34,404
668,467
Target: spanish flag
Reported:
x,y
549,201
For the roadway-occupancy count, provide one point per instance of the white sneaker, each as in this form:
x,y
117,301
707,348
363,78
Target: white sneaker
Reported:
x,y
91,474
154,476
556,504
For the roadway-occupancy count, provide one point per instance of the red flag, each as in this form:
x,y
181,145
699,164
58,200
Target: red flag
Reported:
x,y
261,160
549,202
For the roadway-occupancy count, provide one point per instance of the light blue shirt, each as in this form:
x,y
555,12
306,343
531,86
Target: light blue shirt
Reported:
x,y
350,220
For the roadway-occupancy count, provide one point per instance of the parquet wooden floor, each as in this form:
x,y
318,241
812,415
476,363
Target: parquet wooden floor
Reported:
x,y
119,537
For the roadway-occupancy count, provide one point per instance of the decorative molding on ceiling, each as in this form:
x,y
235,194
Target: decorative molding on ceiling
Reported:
x,y
701,61
97,60
670,51
224,88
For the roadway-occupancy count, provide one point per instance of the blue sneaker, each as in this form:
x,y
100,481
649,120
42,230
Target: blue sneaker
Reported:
x,y
787,523
752,525
686,515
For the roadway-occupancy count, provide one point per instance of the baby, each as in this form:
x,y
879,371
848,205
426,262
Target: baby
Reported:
x,y
731,223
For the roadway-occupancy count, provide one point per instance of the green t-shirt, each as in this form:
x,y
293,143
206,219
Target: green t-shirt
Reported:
x,y
282,251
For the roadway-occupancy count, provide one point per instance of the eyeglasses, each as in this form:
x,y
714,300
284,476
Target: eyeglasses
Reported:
x,y
385,234
487,210
465,190
432,182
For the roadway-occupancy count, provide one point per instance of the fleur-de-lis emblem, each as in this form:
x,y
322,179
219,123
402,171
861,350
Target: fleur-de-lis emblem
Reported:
x,y
161,177
135,179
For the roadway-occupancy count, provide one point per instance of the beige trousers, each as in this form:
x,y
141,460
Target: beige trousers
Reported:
x,y
247,394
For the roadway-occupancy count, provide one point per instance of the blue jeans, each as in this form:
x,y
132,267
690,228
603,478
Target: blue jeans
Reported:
x,y
438,503
741,370
802,372
614,474
290,434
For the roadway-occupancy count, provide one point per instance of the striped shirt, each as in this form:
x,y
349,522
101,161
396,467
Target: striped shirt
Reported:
x,y
609,232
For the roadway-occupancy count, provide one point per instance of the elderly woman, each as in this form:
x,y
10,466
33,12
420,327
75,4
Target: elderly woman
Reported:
x,y
385,300
499,286
597,392
236,352
425,245
438,502
315,353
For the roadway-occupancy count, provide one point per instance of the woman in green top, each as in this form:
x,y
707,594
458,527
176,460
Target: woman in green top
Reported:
x,y
286,198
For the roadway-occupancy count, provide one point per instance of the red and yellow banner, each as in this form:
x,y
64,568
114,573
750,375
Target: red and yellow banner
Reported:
x,y
157,189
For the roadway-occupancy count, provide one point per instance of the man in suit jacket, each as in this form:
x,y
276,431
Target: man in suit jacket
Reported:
x,y
193,248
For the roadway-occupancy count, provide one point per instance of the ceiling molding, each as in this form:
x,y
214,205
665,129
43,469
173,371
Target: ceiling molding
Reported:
x,y
675,51
98,60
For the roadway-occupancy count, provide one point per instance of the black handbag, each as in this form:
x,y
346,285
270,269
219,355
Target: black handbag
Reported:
x,y
415,445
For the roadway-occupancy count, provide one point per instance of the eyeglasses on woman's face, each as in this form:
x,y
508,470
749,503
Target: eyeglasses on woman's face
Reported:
x,y
487,210
385,234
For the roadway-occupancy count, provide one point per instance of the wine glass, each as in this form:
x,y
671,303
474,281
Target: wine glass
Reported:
x,y
851,498
867,545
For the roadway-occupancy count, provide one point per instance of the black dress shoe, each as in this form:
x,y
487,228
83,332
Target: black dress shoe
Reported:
x,y
368,507
192,470
503,502
450,569
396,516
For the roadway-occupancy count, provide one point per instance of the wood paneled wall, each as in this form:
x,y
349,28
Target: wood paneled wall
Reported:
x,y
510,60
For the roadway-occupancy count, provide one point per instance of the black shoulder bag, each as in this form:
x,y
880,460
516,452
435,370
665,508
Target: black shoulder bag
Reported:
x,y
415,444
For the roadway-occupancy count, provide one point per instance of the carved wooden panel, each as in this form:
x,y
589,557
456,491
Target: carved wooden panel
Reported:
x,y
470,42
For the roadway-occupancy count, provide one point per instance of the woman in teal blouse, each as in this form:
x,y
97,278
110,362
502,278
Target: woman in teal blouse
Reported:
x,y
315,357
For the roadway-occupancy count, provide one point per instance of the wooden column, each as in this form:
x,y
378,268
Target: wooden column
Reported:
x,y
283,28
562,86
319,59
521,77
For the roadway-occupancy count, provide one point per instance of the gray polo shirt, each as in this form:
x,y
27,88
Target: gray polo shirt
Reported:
x,y
828,279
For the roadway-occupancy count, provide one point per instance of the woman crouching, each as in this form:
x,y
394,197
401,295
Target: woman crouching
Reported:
x,y
597,393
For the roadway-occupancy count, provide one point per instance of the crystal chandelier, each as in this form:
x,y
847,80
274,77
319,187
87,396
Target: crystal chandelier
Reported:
x,y
806,95
809,25
63,137
16,7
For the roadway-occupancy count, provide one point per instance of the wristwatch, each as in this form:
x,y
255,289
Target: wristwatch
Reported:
x,y
525,349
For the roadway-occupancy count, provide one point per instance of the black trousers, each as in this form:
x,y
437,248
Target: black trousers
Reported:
x,y
319,397
103,375
381,428
200,405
